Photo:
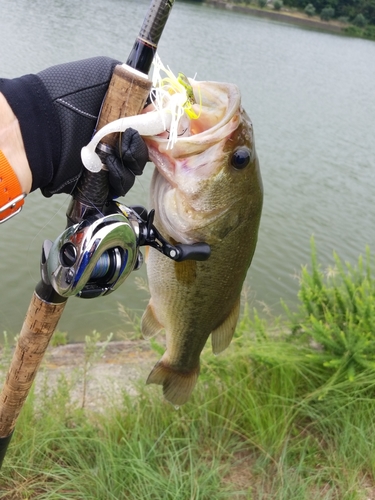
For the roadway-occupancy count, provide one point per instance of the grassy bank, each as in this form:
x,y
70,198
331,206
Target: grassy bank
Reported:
x,y
286,413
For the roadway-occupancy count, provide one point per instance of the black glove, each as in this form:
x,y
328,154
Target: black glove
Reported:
x,y
57,110
127,163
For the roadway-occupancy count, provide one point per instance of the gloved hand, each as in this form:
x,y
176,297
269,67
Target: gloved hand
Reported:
x,y
57,110
127,163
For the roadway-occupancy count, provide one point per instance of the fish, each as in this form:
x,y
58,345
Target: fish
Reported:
x,y
207,187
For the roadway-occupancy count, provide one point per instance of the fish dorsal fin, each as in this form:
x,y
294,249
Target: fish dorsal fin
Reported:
x,y
150,326
177,386
222,336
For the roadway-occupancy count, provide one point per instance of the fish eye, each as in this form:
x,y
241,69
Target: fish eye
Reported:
x,y
241,158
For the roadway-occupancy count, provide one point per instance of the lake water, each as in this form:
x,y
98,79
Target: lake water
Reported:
x,y
310,95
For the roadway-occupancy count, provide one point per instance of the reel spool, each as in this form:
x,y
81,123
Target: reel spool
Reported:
x,y
93,258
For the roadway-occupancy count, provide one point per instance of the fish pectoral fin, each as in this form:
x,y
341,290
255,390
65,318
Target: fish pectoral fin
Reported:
x,y
177,386
222,336
150,326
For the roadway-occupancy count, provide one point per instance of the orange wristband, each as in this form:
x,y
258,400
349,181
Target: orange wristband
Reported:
x,y
11,195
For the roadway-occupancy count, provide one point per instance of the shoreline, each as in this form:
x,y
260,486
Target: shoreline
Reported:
x,y
291,17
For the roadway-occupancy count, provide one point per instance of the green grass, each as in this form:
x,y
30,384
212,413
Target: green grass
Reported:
x,y
269,419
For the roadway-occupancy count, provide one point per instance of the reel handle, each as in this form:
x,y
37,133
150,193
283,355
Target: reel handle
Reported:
x,y
195,251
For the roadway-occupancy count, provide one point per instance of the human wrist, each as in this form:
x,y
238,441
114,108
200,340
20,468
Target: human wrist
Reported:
x,y
12,146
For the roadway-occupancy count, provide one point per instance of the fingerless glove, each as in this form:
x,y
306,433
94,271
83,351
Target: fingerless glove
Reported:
x,y
57,110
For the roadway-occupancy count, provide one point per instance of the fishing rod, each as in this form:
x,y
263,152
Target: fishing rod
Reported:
x,y
126,96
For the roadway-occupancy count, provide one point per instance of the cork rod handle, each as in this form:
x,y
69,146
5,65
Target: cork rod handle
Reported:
x,y
40,323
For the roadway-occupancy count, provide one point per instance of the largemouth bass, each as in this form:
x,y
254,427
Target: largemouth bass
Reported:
x,y
206,188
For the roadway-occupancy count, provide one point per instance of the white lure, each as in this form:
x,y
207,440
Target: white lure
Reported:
x,y
171,103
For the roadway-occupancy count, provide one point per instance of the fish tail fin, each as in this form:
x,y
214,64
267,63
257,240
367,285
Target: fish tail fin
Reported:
x,y
177,386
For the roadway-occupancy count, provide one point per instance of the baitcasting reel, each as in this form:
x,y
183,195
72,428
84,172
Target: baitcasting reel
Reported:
x,y
93,258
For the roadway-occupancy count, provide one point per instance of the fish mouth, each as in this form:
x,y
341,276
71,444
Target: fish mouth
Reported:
x,y
194,163
217,105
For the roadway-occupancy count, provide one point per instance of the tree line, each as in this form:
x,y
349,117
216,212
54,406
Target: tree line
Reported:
x,y
361,13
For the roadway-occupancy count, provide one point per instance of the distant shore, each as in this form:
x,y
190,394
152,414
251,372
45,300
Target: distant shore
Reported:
x,y
287,16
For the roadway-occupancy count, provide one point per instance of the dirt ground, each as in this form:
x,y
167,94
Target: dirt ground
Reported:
x,y
120,366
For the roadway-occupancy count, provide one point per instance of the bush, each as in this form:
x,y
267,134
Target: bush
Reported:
x,y
369,32
354,31
309,10
337,314
262,3
360,21
277,4
327,13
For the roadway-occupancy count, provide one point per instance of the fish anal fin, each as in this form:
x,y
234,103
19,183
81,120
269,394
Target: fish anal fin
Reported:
x,y
150,326
222,336
177,386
